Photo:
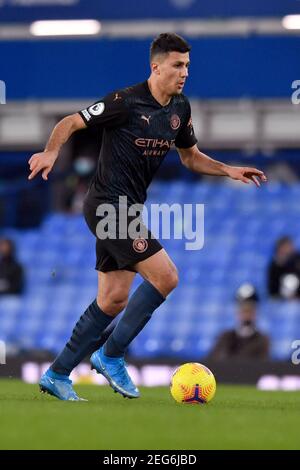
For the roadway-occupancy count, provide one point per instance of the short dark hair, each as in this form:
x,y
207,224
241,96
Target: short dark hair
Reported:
x,y
168,42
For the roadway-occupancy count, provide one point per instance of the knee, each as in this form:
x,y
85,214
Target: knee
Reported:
x,y
168,281
112,302
172,279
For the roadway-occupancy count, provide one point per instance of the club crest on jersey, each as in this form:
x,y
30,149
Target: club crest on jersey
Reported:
x,y
175,122
140,245
97,109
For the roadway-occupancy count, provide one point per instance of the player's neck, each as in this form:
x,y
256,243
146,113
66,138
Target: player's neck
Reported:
x,y
160,96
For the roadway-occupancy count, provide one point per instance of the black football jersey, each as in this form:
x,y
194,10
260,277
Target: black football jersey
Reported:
x,y
138,133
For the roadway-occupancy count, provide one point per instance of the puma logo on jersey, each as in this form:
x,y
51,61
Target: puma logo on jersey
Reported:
x,y
145,118
117,97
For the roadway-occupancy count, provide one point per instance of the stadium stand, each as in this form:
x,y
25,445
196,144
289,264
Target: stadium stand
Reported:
x,y
241,226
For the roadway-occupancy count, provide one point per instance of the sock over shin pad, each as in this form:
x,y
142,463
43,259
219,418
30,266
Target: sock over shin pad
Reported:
x,y
137,314
84,339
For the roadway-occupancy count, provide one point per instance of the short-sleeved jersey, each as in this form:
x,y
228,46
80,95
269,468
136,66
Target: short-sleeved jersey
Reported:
x,y
138,133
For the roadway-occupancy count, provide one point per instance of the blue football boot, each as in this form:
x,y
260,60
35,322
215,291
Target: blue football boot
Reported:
x,y
114,370
60,386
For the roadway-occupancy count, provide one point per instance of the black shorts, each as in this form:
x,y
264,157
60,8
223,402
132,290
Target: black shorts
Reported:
x,y
120,253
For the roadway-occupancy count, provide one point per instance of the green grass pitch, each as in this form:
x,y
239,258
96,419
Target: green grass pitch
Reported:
x,y
237,418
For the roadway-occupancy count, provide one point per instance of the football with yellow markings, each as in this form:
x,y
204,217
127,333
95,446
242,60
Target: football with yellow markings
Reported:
x,y
193,383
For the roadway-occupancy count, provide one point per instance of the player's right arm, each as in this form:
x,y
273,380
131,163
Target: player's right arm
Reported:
x,y
44,161
111,111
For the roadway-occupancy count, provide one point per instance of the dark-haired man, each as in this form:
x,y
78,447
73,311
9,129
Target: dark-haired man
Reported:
x,y
140,124
244,341
11,271
284,270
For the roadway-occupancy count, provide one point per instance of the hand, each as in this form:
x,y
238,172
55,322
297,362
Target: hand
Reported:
x,y
246,175
42,161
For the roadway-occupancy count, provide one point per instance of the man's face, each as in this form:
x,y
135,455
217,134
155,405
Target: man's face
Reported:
x,y
285,250
171,71
247,312
5,248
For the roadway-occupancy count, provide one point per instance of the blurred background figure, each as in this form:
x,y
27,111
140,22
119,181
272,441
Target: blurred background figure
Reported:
x,y
77,183
284,270
11,271
245,341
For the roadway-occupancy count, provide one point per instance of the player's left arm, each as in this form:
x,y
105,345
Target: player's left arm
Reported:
x,y
197,161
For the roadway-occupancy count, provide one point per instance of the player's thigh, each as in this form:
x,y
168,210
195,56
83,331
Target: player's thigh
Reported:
x,y
160,271
114,286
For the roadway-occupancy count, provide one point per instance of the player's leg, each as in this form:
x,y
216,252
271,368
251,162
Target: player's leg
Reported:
x,y
160,276
113,290
160,271
112,297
